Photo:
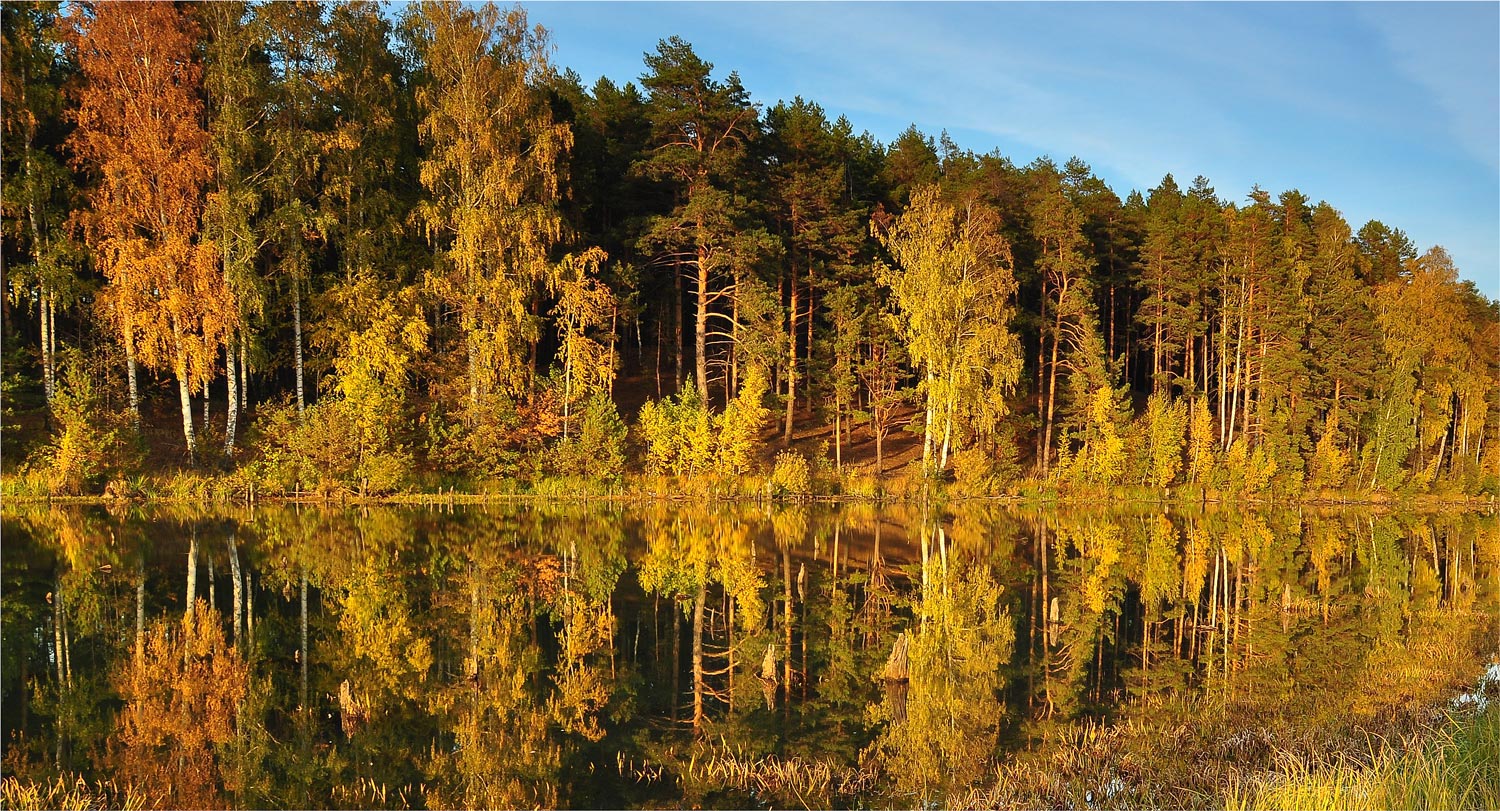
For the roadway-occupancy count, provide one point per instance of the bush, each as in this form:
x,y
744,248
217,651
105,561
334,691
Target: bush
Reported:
x,y
597,451
327,449
87,446
976,473
487,441
790,477
684,438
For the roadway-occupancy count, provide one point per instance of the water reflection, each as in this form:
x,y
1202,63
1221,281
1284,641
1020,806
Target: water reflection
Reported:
x,y
516,656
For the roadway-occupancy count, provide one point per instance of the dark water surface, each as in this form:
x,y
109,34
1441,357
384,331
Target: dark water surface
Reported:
x,y
741,656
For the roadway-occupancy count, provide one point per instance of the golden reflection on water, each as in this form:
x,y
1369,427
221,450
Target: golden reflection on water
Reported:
x,y
727,655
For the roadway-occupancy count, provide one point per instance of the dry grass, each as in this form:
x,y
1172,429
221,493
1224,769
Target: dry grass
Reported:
x,y
67,795
1458,767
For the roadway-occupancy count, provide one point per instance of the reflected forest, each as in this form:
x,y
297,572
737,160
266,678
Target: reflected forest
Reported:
x,y
786,656
392,419
344,250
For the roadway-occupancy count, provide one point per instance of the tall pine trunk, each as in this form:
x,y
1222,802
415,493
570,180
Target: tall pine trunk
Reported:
x,y
791,357
1051,391
700,327
677,316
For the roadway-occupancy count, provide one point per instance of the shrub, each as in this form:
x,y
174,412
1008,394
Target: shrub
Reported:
x,y
791,476
1166,424
683,437
328,448
597,451
976,473
87,446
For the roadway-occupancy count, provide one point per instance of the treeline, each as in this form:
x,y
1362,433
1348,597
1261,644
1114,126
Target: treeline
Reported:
x,y
402,251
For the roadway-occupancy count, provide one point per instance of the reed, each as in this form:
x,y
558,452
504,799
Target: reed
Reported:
x,y
1457,767
65,794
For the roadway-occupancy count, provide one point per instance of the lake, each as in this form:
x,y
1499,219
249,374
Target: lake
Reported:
x,y
751,655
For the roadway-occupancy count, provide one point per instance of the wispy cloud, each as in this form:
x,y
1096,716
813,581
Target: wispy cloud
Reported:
x,y
1373,107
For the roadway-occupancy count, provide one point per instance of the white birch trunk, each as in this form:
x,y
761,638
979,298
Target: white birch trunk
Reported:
x,y
297,338
232,414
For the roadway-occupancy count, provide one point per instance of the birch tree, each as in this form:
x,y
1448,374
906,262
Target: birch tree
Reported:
x,y
492,177
953,283
139,129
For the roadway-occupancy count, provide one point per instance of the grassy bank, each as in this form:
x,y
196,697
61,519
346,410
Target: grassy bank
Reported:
x,y
1458,766
236,487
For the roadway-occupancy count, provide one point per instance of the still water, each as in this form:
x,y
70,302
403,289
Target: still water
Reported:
x,y
739,656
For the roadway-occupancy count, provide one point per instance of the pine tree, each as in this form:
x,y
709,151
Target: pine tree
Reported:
x,y
701,129
820,232
293,33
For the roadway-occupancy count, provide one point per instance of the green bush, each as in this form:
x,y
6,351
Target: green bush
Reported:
x,y
327,449
791,477
597,451
684,438
87,446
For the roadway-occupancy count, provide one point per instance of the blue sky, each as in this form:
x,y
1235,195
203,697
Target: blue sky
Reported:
x,y
1388,111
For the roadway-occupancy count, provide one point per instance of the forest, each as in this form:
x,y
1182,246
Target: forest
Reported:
x,y
343,250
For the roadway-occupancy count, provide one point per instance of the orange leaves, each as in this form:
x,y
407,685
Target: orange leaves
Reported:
x,y
181,702
138,116
140,129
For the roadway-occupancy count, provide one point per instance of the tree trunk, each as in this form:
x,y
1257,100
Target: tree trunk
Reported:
x,y
184,392
232,414
244,373
811,278
249,605
567,377
57,629
187,412
140,610
927,429
947,432
135,396
239,591
838,437
303,629
1041,379
700,329
1051,395
676,661
677,316
786,618
192,576
297,344
48,381
698,602
791,367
